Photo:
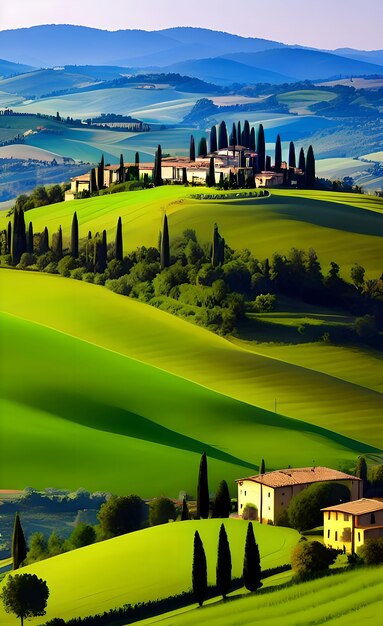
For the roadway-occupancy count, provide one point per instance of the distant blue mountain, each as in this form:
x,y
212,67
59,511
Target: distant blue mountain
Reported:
x,y
7,68
369,56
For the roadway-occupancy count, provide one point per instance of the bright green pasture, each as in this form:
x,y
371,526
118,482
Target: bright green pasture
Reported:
x,y
348,599
83,412
146,565
345,228
160,340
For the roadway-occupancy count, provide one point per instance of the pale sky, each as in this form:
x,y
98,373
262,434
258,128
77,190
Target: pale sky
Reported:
x,y
318,23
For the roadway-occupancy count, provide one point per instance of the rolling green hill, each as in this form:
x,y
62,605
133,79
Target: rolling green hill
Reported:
x,y
348,599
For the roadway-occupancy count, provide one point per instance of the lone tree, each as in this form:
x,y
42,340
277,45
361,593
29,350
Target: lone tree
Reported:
x,y
120,515
19,546
203,490
92,182
309,557
157,175
251,562
222,502
25,595
202,147
100,174
292,158
118,243
192,148
165,247
361,469
44,245
211,176
310,168
262,468
161,510
74,237
302,160
185,511
213,139
223,572
199,570
121,170
261,148
278,154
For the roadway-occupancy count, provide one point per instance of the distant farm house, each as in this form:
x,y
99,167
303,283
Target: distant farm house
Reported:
x,y
272,492
347,526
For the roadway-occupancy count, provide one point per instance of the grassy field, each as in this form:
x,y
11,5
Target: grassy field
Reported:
x,y
347,599
146,565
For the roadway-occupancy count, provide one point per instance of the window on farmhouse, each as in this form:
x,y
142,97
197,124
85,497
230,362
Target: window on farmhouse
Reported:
x,y
245,492
269,494
328,534
372,520
336,515
359,537
346,517
336,535
328,515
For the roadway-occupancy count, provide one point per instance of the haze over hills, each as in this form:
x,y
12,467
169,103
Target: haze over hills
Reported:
x,y
7,68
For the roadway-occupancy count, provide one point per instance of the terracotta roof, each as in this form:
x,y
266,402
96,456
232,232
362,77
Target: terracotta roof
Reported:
x,y
357,507
370,527
83,178
298,476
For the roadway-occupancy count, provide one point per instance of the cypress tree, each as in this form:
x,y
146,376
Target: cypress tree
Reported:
x,y
361,469
233,136
19,546
216,248
74,237
15,238
223,571
213,139
302,160
59,243
268,163
185,511
252,139
203,490
30,238
199,570
278,154
261,148
158,167
239,132
103,257
137,160
262,468
292,158
211,172
88,247
9,238
165,248
202,147
118,243
92,182
252,562
222,136
246,134
222,501
310,168
44,246
100,176
192,148
121,171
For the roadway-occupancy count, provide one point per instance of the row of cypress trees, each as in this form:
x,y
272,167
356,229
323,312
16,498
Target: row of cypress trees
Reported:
x,y
251,565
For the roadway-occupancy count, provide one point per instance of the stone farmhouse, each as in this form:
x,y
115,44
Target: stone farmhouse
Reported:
x,y
347,526
234,159
272,492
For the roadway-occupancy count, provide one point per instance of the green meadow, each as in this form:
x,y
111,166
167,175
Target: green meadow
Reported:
x,y
100,577
347,599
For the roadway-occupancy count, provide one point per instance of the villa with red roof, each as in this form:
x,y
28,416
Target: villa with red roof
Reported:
x,y
347,526
272,492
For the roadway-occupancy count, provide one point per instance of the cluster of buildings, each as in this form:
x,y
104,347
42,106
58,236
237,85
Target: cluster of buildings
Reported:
x,y
232,161
346,526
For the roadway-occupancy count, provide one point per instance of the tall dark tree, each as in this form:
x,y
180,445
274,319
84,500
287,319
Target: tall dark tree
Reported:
x,y
165,247
121,170
302,160
92,182
361,469
211,178
202,147
261,148
203,490
199,570
19,546
44,245
233,136
223,571
74,237
184,176
239,132
158,167
19,239
30,238
9,237
59,243
246,134
118,243
103,254
218,248
88,247
292,157
213,139
252,562
310,168
222,136
268,163
137,160
192,148
278,154
222,501
101,174
185,511
252,139
262,468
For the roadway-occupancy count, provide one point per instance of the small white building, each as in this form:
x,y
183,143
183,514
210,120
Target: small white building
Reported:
x,y
272,492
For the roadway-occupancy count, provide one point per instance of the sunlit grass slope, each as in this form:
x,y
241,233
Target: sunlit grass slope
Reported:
x,y
346,228
143,333
348,599
146,565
